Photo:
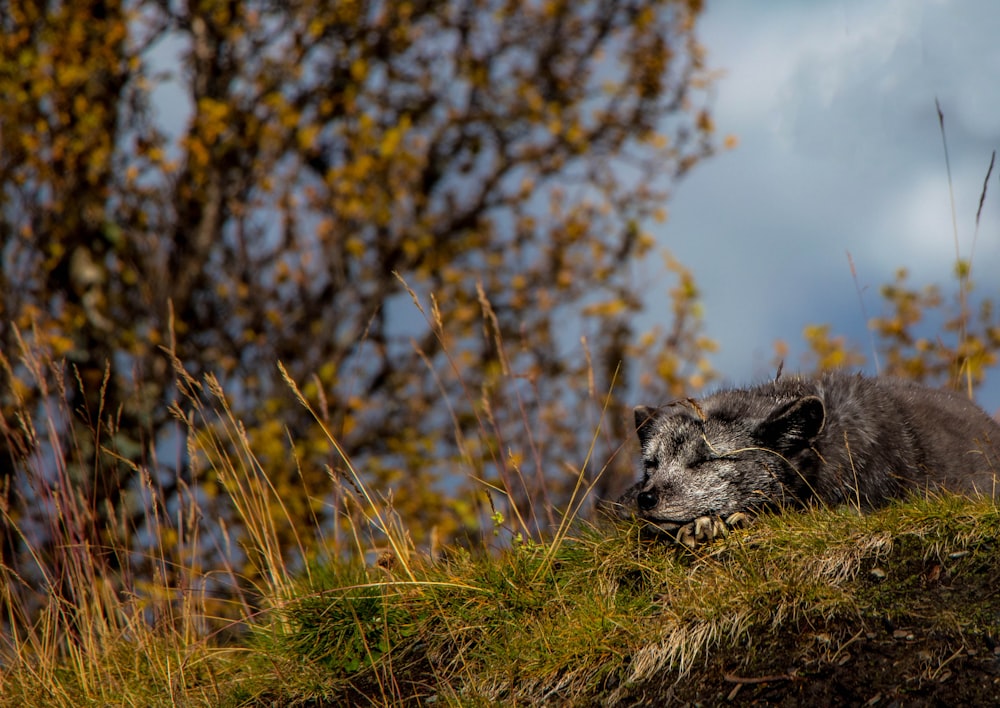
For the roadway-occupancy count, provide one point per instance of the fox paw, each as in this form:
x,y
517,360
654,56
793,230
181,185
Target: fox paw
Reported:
x,y
706,528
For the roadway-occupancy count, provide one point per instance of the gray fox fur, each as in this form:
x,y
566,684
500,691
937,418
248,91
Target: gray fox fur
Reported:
x,y
837,439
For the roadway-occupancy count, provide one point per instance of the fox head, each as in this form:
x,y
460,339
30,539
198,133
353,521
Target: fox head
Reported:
x,y
720,456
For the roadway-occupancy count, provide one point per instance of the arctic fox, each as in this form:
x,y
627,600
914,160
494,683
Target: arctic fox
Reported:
x,y
836,439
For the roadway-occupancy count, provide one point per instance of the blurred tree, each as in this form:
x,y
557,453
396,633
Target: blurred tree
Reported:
x,y
921,335
499,158
927,338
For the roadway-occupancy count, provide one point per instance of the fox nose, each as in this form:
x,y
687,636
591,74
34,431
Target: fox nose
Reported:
x,y
646,500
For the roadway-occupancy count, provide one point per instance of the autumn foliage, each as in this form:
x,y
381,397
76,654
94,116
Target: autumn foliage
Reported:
x,y
417,208
924,334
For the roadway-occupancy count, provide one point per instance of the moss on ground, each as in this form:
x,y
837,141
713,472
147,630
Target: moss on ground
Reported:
x,y
815,607
819,605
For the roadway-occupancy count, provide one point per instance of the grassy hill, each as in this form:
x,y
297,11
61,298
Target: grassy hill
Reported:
x,y
901,605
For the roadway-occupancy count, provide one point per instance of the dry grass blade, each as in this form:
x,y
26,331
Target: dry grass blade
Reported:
x,y
982,195
95,613
864,313
397,543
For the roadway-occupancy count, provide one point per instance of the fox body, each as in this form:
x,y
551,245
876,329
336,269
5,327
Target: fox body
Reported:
x,y
836,439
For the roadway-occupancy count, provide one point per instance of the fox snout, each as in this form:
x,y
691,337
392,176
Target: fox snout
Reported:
x,y
646,500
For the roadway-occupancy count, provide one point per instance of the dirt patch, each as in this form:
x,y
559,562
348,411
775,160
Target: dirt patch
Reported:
x,y
932,637
872,667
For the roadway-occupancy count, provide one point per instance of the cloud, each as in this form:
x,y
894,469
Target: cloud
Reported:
x,y
840,151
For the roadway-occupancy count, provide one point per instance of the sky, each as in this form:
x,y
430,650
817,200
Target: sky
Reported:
x,y
832,102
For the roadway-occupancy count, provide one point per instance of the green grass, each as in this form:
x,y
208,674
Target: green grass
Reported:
x,y
607,612
593,619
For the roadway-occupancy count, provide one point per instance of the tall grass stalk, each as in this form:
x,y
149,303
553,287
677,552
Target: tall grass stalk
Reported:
x,y
81,588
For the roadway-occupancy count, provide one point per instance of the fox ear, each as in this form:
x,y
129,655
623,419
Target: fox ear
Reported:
x,y
793,426
644,416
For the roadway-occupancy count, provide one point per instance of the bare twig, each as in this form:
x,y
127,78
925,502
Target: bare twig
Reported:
x,y
747,680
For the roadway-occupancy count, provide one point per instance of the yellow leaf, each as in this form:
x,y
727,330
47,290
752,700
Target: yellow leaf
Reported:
x,y
355,246
608,308
358,69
